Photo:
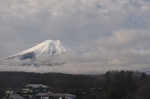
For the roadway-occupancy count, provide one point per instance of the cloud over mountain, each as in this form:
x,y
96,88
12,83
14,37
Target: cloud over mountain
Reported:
x,y
41,54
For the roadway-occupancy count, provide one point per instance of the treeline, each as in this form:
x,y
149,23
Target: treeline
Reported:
x,y
121,85
111,85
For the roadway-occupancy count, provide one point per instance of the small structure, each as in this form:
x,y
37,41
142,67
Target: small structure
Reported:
x,y
55,96
30,90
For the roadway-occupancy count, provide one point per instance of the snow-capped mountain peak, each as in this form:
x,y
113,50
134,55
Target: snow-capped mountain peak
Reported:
x,y
46,48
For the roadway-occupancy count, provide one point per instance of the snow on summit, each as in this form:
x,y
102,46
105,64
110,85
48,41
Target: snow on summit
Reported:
x,y
46,48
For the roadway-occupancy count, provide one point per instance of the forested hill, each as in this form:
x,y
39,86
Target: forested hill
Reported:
x,y
16,80
111,85
58,82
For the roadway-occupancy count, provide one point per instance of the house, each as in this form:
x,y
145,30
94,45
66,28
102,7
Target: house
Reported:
x,y
30,90
39,91
55,96
13,96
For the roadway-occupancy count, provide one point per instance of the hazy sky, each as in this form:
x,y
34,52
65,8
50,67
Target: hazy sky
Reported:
x,y
113,34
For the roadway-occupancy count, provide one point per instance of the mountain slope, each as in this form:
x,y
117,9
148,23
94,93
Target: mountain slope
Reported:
x,y
46,48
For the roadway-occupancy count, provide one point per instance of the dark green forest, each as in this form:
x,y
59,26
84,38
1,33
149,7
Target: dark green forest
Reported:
x,y
111,85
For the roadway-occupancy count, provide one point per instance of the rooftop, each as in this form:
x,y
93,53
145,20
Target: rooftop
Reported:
x,y
14,96
36,86
56,94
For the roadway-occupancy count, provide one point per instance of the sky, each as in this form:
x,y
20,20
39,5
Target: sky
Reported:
x,y
110,34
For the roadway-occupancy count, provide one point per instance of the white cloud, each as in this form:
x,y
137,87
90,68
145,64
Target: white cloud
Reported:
x,y
125,39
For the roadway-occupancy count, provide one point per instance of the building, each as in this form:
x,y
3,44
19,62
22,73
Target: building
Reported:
x,y
39,91
13,96
30,90
55,96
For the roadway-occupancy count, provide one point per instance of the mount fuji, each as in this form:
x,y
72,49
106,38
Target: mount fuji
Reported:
x,y
48,48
